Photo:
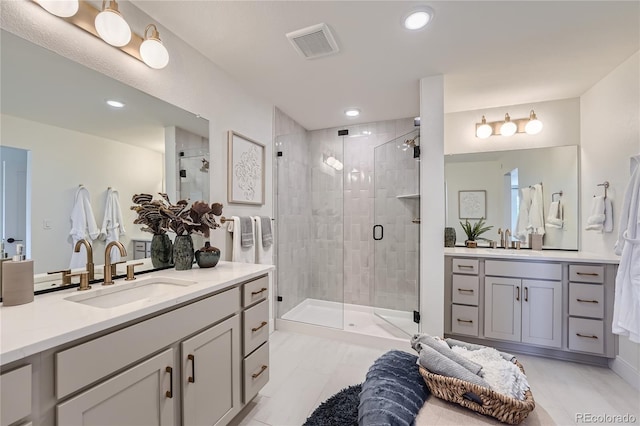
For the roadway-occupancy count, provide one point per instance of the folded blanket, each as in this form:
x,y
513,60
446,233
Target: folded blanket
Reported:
x,y
418,341
393,392
503,376
474,347
437,363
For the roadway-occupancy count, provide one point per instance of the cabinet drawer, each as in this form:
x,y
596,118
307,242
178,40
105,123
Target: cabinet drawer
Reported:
x,y
255,322
256,372
16,395
465,290
77,367
541,271
586,300
586,273
464,320
586,335
465,266
255,291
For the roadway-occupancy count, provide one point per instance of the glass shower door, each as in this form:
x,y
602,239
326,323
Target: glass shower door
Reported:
x,y
396,232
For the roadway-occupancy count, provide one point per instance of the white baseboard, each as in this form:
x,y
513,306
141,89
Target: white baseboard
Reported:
x,y
625,370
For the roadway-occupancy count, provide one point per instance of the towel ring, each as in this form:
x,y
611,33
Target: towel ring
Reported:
x,y
559,194
606,185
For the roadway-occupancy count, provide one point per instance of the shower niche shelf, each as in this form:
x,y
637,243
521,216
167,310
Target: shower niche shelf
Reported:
x,y
408,196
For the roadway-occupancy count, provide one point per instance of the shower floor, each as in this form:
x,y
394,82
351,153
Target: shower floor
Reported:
x,y
354,318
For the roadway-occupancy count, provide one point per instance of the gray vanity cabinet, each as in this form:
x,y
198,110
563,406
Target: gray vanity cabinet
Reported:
x,y
211,375
502,308
142,395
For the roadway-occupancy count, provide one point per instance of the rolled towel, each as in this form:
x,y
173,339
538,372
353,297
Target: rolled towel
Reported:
x,y
437,363
554,218
608,215
474,347
422,340
597,217
246,231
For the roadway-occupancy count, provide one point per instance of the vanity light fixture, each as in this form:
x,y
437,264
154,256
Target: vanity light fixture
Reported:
x,y
109,25
332,161
152,50
508,127
60,8
352,112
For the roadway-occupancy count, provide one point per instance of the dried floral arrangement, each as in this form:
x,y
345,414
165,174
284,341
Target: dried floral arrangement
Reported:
x,y
160,216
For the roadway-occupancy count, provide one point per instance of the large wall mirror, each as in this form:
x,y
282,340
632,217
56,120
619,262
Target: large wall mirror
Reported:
x,y
58,133
491,185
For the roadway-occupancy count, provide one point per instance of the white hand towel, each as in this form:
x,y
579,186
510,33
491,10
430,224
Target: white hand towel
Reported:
x,y
83,226
608,215
521,232
265,252
112,224
596,218
536,212
239,253
555,216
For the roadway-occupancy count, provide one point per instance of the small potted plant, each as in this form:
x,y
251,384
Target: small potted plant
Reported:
x,y
474,231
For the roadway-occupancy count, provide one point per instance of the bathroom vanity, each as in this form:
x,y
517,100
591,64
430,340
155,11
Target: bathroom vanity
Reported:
x,y
552,303
170,348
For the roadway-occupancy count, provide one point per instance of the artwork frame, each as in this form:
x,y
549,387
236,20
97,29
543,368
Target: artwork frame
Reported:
x,y
472,204
245,170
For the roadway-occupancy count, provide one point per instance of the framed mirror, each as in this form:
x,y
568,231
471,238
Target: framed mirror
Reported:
x,y
496,184
56,119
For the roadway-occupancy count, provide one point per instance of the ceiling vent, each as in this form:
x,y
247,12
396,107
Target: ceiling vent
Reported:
x,y
313,42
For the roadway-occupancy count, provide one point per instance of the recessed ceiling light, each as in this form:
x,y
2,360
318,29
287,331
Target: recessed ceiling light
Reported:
x,y
352,112
418,19
115,104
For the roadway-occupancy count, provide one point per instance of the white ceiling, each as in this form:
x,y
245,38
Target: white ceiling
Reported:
x,y
491,53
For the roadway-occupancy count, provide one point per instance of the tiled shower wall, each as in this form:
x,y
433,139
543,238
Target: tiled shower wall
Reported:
x,y
294,251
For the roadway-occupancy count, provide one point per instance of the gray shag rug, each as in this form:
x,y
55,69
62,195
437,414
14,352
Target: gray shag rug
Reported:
x,y
341,409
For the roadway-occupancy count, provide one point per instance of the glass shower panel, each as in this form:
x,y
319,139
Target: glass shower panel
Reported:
x,y
396,231
309,194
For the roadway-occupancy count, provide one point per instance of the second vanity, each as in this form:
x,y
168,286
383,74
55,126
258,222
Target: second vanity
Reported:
x,y
552,303
170,348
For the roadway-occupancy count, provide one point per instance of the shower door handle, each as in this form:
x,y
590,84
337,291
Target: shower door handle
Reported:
x,y
381,232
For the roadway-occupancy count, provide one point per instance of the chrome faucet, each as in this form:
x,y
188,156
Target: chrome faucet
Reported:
x,y
501,234
507,238
90,265
108,273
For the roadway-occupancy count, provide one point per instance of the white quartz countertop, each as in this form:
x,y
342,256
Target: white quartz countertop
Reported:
x,y
545,255
51,321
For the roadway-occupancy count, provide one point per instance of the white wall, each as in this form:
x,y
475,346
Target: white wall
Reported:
x,y
610,128
190,81
62,159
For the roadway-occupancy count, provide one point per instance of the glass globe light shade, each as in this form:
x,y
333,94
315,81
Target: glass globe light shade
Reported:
x,y
484,130
338,166
331,161
534,126
112,28
154,54
61,8
508,128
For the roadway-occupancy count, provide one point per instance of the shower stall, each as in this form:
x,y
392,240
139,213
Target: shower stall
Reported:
x,y
347,215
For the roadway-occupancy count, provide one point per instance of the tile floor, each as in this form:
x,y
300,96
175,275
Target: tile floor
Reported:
x,y
306,370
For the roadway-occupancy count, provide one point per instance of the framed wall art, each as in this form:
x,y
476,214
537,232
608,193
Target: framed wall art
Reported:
x,y
472,204
245,170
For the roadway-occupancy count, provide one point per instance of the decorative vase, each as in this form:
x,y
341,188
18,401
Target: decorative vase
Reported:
x,y
161,248
207,256
449,237
183,252
471,244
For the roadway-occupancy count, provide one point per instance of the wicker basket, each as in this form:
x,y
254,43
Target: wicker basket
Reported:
x,y
504,408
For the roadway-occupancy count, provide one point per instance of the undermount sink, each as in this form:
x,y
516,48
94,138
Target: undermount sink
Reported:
x,y
122,294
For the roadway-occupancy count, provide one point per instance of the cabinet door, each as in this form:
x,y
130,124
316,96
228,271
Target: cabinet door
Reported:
x,y
542,313
211,375
502,308
142,395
